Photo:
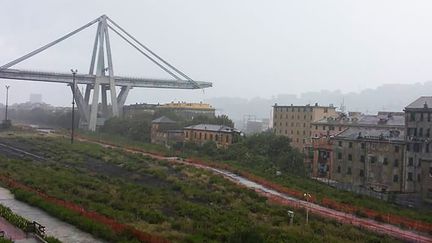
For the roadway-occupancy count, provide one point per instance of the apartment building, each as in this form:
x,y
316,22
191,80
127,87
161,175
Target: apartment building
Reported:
x,y
418,123
369,157
295,121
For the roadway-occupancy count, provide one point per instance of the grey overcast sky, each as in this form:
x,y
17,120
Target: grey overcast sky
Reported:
x,y
247,48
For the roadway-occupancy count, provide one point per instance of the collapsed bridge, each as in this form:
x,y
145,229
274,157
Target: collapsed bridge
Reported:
x,y
100,78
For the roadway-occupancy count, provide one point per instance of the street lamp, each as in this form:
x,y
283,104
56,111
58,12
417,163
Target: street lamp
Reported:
x,y
7,103
74,72
307,196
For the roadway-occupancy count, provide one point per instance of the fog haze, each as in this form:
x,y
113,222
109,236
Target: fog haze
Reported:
x,y
246,48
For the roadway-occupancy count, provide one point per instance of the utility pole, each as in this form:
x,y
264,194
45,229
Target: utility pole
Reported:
x,y
74,72
7,103
307,196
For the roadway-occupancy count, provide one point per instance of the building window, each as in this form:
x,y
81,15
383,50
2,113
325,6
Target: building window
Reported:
x,y
395,178
298,132
349,171
227,138
324,128
428,132
410,176
430,171
427,148
187,134
292,132
420,132
408,147
286,132
339,169
385,162
412,116
363,145
350,157
350,144
410,161
211,136
429,117
421,116
217,137
416,147
372,159
200,135
396,163
340,143
205,136
362,158
304,132
361,173
339,155
418,177
396,149
340,128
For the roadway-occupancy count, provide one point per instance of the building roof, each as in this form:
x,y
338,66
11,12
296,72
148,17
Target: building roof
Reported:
x,y
163,119
189,106
304,106
420,103
212,128
395,119
386,134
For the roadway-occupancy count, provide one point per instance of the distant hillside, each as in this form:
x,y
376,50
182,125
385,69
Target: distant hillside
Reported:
x,y
389,97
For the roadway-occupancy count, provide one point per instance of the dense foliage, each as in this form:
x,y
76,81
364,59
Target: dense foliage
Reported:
x,y
179,202
265,150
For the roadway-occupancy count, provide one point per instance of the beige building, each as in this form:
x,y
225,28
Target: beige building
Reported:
x,y
295,121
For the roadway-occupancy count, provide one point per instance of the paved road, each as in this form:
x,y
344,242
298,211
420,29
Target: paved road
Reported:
x,y
54,227
285,199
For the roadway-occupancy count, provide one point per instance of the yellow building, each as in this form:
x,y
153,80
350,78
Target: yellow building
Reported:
x,y
295,121
223,136
189,110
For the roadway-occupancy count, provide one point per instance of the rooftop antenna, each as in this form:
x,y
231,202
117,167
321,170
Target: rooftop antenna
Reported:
x,y
342,106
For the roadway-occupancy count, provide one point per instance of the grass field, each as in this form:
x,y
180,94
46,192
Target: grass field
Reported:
x,y
290,180
178,202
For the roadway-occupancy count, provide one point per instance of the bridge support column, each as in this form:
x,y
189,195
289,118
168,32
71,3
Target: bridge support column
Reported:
x,y
121,99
